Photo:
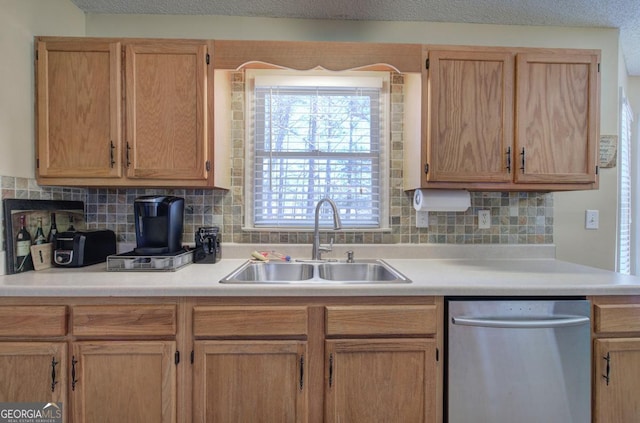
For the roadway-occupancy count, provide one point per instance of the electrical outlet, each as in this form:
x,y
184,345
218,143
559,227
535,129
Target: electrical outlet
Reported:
x,y
484,219
592,219
422,219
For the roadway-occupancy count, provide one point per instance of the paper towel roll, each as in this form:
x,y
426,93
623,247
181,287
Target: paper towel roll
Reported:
x,y
441,200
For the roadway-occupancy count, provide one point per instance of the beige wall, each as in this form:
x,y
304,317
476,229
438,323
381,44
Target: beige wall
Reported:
x,y
20,20
574,243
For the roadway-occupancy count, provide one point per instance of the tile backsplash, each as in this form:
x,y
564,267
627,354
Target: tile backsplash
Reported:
x,y
516,218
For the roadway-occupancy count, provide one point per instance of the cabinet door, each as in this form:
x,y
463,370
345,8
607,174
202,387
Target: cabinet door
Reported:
x,y
165,110
617,380
557,118
469,116
78,109
33,372
124,381
392,380
249,381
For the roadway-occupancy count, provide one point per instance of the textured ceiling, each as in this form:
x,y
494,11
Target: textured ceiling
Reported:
x,y
622,14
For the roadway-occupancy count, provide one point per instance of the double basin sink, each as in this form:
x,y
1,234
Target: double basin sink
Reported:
x,y
360,271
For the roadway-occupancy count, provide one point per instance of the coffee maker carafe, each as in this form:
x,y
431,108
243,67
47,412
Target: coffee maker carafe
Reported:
x,y
158,224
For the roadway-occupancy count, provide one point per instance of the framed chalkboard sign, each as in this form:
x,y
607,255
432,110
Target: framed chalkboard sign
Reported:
x,y
68,215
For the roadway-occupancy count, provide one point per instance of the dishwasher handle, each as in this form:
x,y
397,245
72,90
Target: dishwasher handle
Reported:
x,y
533,323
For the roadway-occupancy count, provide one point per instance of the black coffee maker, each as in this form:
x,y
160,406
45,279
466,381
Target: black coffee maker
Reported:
x,y
158,223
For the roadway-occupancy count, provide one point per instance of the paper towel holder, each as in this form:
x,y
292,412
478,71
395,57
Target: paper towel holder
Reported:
x,y
426,200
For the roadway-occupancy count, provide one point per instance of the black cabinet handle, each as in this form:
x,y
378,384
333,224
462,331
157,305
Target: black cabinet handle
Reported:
x,y
301,372
522,155
128,159
111,158
607,358
330,370
54,382
508,159
73,373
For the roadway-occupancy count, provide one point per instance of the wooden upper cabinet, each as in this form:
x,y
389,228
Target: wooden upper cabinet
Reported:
x,y
166,99
125,112
509,119
78,109
557,118
469,115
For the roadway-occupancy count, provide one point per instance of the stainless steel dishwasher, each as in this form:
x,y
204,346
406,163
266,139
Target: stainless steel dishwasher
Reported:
x,y
524,361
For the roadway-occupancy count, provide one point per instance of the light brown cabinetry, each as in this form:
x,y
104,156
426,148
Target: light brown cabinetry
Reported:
x,y
123,363
509,119
250,361
307,360
381,363
78,102
124,112
33,355
616,357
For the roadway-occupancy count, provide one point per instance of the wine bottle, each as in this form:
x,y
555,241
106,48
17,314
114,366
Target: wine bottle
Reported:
x,y
53,230
39,237
23,247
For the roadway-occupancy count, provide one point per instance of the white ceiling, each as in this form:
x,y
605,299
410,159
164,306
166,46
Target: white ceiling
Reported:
x,y
622,14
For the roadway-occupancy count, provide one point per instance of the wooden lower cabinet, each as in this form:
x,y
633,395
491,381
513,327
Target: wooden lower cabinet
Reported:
x,y
225,360
123,381
33,372
616,359
380,380
307,360
617,380
250,381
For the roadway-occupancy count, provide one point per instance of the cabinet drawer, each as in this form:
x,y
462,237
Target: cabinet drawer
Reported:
x,y
33,321
381,320
124,320
617,318
249,321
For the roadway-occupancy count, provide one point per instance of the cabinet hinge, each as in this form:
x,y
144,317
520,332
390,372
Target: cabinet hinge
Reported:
x,y
193,356
177,357
426,168
208,166
426,64
208,58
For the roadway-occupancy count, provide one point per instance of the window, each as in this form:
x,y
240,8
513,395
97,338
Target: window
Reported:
x,y
316,135
624,150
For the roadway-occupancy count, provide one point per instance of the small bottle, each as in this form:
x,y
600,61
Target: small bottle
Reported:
x,y
39,237
53,230
71,228
23,247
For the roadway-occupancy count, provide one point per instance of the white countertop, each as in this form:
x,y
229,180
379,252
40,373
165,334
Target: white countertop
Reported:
x,y
480,275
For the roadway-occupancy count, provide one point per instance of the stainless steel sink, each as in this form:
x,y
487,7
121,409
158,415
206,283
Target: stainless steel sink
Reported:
x,y
272,272
367,272
360,272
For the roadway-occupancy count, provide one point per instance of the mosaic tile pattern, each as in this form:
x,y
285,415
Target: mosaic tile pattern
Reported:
x,y
516,218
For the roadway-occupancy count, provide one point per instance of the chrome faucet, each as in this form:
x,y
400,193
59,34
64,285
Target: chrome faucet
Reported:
x,y
337,224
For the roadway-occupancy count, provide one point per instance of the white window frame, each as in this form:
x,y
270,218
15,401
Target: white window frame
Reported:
x,y
317,78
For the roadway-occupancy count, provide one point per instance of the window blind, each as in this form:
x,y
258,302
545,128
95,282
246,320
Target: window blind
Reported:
x,y
624,150
312,142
